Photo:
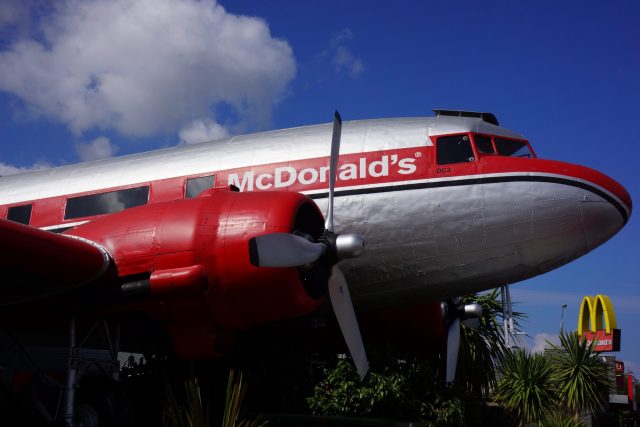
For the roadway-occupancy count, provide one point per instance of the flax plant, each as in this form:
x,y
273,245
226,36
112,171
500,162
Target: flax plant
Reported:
x,y
188,414
236,391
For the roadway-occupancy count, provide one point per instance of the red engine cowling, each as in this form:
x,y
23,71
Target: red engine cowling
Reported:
x,y
192,258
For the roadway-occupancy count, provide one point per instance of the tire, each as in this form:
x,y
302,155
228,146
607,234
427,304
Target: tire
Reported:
x,y
105,398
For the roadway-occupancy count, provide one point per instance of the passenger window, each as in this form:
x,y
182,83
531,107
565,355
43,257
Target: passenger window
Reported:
x,y
483,144
508,147
195,186
104,203
454,149
21,214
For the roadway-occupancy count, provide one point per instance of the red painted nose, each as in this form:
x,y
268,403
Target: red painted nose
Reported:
x,y
623,195
617,194
596,182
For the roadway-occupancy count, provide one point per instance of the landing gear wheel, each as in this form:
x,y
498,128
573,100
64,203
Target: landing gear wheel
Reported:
x,y
101,399
86,416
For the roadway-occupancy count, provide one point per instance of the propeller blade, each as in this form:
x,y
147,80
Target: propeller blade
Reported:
x,y
343,308
333,167
453,345
283,250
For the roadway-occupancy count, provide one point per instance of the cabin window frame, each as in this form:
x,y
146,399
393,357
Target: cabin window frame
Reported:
x,y
185,184
24,205
66,216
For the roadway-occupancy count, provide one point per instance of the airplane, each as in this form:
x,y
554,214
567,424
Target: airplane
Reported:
x,y
214,238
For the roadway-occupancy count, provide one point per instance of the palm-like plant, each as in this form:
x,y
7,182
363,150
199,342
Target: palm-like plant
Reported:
x,y
560,419
582,379
525,389
482,350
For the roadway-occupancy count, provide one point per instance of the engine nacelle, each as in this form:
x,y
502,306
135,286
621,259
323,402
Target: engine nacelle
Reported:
x,y
190,261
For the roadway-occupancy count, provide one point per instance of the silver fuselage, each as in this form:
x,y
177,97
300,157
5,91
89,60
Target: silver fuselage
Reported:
x,y
427,235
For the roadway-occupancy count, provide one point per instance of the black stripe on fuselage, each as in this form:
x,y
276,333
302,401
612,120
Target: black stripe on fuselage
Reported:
x,y
478,181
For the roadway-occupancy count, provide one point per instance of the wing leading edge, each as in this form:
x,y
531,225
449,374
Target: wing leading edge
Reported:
x,y
37,263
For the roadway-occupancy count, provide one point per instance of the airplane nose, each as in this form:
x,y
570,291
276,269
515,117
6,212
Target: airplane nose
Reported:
x,y
595,210
605,205
623,195
612,190
596,185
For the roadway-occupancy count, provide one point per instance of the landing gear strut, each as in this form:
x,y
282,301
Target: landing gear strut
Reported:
x,y
509,330
77,365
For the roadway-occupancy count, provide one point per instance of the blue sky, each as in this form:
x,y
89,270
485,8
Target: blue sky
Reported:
x,y
95,79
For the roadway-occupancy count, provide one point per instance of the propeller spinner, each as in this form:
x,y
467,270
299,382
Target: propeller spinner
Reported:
x,y
292,250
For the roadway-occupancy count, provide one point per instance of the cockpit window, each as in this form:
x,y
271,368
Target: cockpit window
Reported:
x,y
508,147
483,143
454,149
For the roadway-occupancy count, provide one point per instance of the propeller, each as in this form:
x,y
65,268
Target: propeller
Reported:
x,y
293,250
284,250
333,167
454,313
343,309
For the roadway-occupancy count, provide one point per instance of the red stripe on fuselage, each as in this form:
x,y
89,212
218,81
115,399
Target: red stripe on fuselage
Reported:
x,y
354,170
308,175
496,164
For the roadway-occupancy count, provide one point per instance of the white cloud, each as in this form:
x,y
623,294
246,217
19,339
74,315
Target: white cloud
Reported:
x,y
202,130
143,67
6,169
99,148
343,36
13,12
542,340
343,59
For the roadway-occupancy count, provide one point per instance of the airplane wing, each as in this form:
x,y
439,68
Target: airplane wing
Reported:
x,y
37,263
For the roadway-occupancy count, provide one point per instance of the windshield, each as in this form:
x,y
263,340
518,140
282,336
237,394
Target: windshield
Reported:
x,y
509,147
498,146
483,144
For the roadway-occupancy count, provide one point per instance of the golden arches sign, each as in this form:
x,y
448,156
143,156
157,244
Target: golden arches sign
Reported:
x,y
593,311
597,322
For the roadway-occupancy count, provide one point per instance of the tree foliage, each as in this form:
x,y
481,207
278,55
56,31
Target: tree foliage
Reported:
x,y
482,349
581,378
558,418
401,389
532,388
411,388
553,390
525,389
